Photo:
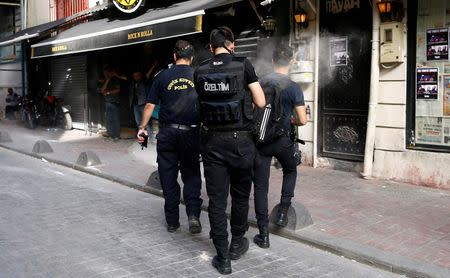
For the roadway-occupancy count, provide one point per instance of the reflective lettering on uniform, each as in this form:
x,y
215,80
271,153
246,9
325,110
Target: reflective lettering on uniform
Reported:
x,y
214,87
180,84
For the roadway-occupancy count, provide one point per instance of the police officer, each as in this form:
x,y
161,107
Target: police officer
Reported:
x,y
178,139
227,87
282,147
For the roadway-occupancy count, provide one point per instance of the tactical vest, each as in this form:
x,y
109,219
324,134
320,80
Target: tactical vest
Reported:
x,y
225,102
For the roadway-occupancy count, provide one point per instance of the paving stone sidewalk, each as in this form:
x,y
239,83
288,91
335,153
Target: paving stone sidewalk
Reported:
x,y
395,226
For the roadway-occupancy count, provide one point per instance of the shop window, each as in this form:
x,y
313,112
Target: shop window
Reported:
x,y
7,28
430,76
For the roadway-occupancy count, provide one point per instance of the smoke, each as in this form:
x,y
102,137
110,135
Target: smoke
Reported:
x,y
332,49
263,61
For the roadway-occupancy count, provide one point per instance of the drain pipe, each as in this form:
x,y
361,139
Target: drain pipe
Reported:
x,y
373,101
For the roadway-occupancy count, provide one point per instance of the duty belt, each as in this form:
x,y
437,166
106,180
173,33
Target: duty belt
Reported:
x,y
177,126
228,133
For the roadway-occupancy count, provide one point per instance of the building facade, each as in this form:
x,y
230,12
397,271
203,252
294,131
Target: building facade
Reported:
x,y
375,74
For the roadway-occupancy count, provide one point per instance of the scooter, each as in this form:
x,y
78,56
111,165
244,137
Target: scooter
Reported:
x,y
54,113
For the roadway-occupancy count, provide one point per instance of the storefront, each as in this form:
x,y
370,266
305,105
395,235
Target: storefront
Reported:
x,y
75,57
429,106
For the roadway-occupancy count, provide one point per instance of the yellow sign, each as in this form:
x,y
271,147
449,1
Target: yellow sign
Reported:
x,y
58,48
127,6
141,34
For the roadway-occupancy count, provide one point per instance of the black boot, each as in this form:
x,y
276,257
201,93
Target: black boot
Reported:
x,y
262,239
222,261
282,215
223,265
238,247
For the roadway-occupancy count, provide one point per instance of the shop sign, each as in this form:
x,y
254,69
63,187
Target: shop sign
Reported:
x,y
141,34
59,48
127,6
341,6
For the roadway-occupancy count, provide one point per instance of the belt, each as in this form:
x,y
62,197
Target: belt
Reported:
x,y
177,126
227,133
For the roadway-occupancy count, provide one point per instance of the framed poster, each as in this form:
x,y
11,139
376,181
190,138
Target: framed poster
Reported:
x,y
446,124
427,83
446,95
429,130
338,51
437,44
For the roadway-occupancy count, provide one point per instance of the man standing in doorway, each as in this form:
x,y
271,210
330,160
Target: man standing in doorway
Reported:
x,y
138,90
178,139
110,90
282,147
227,87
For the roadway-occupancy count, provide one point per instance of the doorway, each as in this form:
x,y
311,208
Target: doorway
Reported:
x,y
344,77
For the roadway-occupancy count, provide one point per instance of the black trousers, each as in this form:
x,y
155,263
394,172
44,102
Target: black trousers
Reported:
x,y
178,150
282,149
227,160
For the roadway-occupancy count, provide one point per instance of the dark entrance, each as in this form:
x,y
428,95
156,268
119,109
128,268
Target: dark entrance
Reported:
x,y
344,77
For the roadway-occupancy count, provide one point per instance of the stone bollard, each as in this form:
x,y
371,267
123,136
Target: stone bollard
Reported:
x,y
298,217
88,158
4,137
42,146
153,181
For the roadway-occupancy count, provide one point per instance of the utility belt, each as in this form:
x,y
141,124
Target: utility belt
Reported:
x,y
226,133
177,126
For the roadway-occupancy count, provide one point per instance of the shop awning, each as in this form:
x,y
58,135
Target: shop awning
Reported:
x,y
176,20
37,30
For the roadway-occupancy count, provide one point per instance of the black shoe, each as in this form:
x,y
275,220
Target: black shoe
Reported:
x,y
195,227
173,228
282,216
238,247
262,240
223,265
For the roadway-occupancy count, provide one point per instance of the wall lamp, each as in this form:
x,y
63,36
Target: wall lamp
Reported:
x,y
390,10
269,25
301,18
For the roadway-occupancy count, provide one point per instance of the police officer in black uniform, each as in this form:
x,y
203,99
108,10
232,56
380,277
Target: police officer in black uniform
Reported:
x,y
178,137
227,87
282,147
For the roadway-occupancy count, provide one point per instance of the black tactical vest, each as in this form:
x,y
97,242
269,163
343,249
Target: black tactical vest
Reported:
x,y
225,103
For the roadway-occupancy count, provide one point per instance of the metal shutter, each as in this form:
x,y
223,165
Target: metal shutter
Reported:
x,y
68,77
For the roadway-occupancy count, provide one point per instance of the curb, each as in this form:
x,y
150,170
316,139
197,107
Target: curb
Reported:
x,y
363,254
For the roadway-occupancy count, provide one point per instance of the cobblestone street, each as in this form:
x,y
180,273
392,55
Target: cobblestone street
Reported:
x,y
57,222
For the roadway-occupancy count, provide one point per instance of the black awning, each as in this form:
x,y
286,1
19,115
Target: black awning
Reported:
x,y
176,20
30,32
37,30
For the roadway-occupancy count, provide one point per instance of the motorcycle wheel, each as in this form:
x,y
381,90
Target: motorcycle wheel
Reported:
x,y
30,121
67,121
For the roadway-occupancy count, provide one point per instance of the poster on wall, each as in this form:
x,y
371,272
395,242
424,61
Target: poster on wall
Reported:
x,y
338,51
446,95
446,125
437,44
429,130
427,83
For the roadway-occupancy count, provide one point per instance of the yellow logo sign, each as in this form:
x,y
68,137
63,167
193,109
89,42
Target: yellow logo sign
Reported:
x,y
142,34
59,48
127,6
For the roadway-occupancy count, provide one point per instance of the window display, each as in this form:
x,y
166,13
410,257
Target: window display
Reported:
x,y
432,92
